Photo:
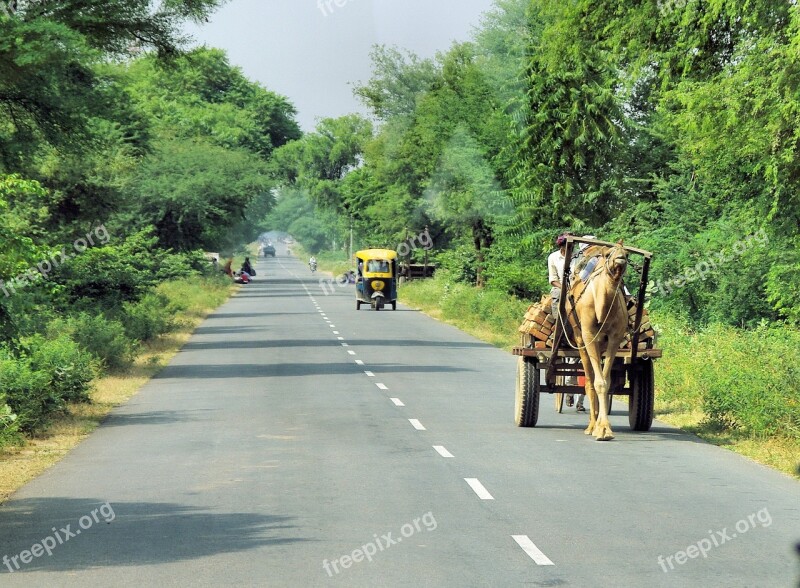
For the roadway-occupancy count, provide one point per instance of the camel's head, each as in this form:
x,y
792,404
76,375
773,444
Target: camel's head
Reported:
x,y
617,261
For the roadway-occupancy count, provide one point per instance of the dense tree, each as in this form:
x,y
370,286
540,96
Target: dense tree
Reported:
x,y
399,79
193,193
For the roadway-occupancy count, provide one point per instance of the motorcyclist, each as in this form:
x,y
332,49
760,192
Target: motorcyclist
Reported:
x,y
312,263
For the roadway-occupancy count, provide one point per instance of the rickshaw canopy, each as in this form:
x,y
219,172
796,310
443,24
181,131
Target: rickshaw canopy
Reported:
x,y
377,262
367,254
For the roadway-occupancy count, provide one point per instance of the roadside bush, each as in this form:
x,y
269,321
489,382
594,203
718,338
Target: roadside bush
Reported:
x,y
517,270
111,274
102,337
148,318
741,379
69,369
171,266
9,426
194,296
28,392
460,263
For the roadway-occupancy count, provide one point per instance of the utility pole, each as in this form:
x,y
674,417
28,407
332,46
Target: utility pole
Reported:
x,y
425,275
350,251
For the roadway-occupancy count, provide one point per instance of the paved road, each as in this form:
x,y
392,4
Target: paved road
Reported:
x,y
293,437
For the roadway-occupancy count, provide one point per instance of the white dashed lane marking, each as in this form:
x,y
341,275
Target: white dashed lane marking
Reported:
x,y
351,352
417,425
382,386
397,402
482,492
442,451
359,362
370,374
534,552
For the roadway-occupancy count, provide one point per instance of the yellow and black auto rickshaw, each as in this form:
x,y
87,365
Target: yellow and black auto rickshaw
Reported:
x,y
376,280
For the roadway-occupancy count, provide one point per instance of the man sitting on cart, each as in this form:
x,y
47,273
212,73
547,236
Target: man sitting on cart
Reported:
x,y
555,271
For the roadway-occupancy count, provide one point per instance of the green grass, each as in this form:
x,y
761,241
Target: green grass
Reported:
x,y
488,315
194,297
735,388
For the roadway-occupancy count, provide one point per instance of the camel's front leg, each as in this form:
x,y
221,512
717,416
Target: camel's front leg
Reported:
x,y
588,373
604,432
602,428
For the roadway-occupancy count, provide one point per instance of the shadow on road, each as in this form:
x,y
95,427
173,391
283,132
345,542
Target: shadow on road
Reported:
x,y
230,315
623,433
158,417
285,370
141,533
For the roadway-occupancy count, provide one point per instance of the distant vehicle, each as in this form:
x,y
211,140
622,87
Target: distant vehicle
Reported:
x,y
269,250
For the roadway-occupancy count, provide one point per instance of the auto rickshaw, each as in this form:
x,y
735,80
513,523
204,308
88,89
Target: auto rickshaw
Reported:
x,y
376,278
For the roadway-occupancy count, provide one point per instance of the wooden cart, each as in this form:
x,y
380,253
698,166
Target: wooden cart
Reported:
x,y
541,371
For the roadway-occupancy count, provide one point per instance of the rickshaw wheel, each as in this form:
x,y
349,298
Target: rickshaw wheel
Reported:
x,y
559,396
394,305
358,305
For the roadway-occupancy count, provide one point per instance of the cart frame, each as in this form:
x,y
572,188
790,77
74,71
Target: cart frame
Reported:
x,y
631,374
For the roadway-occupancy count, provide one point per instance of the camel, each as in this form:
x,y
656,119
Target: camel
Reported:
x,y
597,308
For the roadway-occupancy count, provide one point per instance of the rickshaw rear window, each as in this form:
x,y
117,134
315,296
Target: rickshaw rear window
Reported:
x,y
378,266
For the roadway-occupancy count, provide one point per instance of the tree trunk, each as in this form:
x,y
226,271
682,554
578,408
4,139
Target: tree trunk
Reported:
x,y
482,239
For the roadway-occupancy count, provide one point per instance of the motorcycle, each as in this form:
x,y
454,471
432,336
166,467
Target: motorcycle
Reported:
x,y
313,266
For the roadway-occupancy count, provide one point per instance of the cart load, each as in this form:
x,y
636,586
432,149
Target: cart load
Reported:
x,y
538,326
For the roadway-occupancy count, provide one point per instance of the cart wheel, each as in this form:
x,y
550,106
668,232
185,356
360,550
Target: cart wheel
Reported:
x,y
526,401
642,398
394,305
358,305
559,401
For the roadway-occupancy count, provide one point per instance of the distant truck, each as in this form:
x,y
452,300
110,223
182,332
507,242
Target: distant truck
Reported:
x,y
269,250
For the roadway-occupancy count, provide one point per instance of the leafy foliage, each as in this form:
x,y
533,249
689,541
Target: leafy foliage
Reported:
x,y
148,318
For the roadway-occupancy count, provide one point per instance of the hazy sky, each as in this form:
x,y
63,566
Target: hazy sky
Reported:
x,y
313,50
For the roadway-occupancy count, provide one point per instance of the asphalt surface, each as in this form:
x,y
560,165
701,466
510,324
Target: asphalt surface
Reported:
x,y
297,442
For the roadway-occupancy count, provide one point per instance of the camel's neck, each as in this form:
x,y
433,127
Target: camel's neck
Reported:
x,y
606,292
